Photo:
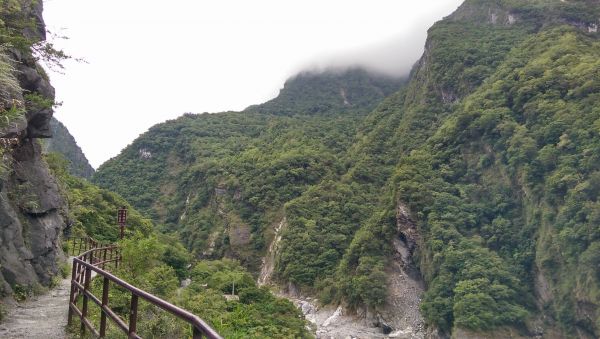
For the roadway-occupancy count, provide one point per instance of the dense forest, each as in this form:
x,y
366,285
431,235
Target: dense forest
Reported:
x,y
158,263
490,145
219,180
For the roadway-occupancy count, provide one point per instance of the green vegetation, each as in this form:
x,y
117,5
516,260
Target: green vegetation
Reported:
x,y
256,313
491,146
22,41
92,210
14,21
20,29
9,85
489,181
157,263
329,93
513,164
20,292
218,180
24,292
11,108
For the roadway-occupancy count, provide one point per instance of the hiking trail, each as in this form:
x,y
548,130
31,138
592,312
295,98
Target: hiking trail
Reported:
x,y
43,316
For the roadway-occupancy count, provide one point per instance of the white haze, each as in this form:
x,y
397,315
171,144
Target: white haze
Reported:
x,y
394,57
150,60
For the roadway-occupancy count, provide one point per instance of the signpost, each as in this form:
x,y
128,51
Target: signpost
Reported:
x,y
122,219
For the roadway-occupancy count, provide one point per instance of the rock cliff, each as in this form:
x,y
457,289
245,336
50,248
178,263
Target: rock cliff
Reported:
x,y
30,202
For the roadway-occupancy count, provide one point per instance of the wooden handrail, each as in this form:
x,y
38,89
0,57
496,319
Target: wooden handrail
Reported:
x,y
83,244
94,260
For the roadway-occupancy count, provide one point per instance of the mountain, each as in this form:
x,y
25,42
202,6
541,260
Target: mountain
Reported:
x,y
63,142
469,191
334,91
220,178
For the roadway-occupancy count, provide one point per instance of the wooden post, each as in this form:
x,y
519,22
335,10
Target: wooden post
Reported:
x,y
196,333
82,274
84,308
103,257
72,294
133,315
105,286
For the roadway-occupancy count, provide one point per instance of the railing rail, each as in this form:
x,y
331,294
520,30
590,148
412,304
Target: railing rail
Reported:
x,y
95,260
79,245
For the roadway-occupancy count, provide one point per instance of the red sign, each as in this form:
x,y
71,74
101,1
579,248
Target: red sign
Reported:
x,y
122,216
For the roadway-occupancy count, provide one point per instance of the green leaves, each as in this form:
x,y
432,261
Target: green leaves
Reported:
x,y
140,254
257,314
93,210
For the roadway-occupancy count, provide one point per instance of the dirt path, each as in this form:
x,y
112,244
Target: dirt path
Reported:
x,y
44,316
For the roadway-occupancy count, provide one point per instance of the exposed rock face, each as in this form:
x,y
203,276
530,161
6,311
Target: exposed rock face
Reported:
x,y
30,201
268,262
407,228
484,12
398,317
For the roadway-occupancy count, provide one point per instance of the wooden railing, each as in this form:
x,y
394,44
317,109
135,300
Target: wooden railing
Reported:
x,y
111,254
81,244
96,260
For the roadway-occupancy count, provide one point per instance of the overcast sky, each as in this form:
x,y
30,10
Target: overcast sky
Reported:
x,y
150,60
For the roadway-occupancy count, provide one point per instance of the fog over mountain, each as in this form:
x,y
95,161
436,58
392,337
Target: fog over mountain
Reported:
x,y
394,57
148,62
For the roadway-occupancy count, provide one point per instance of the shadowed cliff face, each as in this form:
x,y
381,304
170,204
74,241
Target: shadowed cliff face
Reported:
x,y
63,142
30,201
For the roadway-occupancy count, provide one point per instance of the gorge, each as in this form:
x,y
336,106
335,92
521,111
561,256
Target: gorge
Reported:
x,y
458,201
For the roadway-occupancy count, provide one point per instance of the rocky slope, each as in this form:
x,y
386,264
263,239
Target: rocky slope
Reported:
x,y
30,203
63,142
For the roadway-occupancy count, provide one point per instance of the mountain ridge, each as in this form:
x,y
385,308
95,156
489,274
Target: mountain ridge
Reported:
x,y
478,174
